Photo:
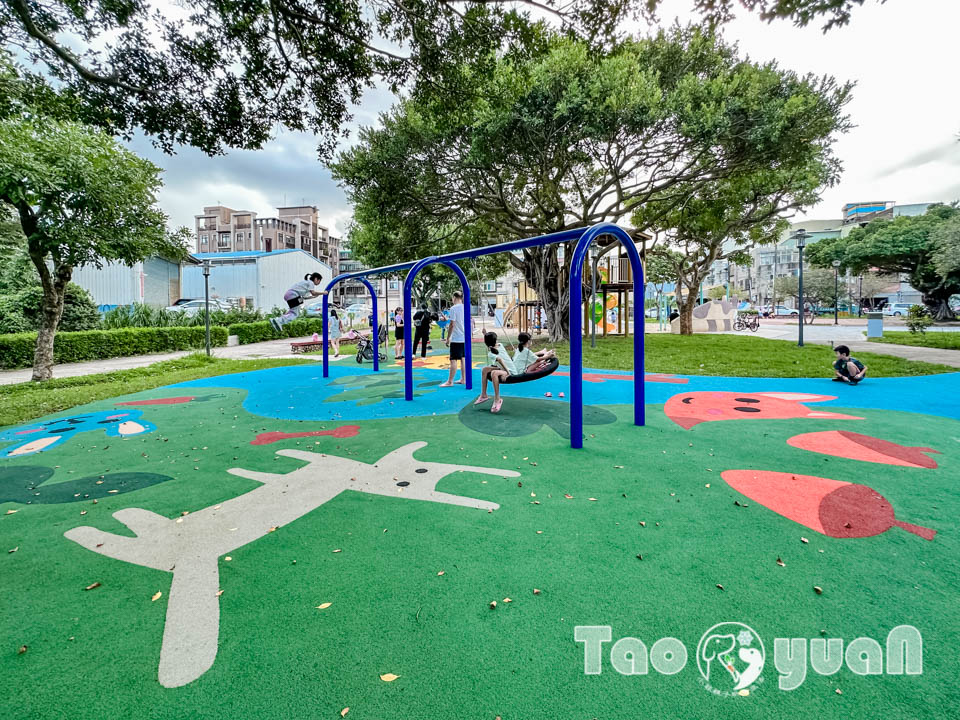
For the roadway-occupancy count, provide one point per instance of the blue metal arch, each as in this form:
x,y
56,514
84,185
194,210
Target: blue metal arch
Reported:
x,y
576,326
373,328
408,317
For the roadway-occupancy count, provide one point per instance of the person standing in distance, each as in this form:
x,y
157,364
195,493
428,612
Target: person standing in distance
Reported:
x,y
456,341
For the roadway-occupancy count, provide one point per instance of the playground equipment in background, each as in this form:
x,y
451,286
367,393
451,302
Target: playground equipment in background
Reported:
x,y
711,316
609,311
582,239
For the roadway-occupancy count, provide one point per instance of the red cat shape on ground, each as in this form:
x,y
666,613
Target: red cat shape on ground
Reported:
x,y
689,409
830,507
846,444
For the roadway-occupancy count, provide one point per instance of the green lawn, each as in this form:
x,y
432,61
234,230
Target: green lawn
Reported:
x,y
25,401
943,340
734,356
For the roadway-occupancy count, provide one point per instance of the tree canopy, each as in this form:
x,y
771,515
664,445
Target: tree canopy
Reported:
x,y
573,137
916,246
835,13
81,199
216,74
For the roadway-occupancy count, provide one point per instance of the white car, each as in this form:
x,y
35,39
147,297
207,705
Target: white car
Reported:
x,y
192,307
784,310
897,309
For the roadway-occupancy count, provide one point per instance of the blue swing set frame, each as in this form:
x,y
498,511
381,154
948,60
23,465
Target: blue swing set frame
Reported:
x,y
583,237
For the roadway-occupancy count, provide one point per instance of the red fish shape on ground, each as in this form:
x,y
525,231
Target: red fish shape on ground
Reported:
x,y
689,409
649,377
846,444
830,507
344,431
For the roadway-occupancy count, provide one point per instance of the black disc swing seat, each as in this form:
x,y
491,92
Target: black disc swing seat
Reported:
x,y
549,369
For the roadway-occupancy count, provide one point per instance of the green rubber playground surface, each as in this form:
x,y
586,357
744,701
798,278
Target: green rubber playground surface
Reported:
x,y
280,545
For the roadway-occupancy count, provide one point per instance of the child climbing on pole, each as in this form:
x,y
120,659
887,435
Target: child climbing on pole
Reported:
x,y
456,341
526,360
294,297
499,367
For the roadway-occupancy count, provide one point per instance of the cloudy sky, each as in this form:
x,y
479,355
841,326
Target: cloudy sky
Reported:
x,y
903,56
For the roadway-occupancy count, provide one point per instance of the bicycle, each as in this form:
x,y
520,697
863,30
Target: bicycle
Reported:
x,y
747,322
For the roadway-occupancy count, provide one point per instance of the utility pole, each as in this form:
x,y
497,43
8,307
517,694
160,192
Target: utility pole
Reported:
x,y
836,292
206,300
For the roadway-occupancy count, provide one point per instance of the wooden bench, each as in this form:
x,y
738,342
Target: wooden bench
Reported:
x,y
307,346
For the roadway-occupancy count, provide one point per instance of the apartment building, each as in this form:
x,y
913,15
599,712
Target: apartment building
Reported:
x,y
224,229
781,259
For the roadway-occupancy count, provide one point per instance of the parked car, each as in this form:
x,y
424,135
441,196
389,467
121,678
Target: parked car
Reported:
x,y
896,309
192,307
359,311
784,310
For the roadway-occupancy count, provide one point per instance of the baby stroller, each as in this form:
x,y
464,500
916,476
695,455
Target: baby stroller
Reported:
x,y
365,345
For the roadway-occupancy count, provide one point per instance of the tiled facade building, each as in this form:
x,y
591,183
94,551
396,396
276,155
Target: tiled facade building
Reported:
x,y
223,229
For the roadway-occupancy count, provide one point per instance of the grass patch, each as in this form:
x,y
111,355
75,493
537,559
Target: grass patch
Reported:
x,y
734,356
25,401
941,340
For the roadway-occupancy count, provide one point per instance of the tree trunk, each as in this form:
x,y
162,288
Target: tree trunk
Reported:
x,y
54,287
542,271
686,314
939,308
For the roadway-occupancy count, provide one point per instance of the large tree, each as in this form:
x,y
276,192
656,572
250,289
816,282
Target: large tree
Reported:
x,y
217,74
801,12
81,199
574,137
908,245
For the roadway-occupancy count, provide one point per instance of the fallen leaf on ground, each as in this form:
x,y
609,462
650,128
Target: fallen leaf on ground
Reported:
x,y
343,713
592,499
839,691
804,540
643,523
14,550
389,677
10,512
228,558
219,593
539,532
818,590
719,586
441,572
338,550
493,604
91,587
21,650
324,606
506,600
536,591
781,563
568,497
156,596
273,529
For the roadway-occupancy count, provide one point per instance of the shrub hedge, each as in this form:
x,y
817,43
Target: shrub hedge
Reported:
x,y
261,331
16,351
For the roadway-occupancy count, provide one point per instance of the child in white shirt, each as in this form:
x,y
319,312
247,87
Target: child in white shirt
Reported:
x,y
526,360
500,366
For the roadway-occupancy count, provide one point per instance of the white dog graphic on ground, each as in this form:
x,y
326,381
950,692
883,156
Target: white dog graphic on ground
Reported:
x,y
190,546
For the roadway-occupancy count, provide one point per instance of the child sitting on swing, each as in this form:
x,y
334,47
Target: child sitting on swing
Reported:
x,y
527,361
499,368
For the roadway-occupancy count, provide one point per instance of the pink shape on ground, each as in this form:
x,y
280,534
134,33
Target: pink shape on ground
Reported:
x,y
846,444
649,377
344,431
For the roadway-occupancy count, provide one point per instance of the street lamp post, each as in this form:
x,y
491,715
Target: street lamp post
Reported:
x,y
801,237
206,299
836,291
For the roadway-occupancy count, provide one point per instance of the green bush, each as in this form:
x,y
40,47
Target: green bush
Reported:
x,y
141,315
918,320
16,351
261,331
22,311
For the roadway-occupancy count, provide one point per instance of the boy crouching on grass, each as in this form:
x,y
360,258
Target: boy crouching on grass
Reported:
x,y
847,369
